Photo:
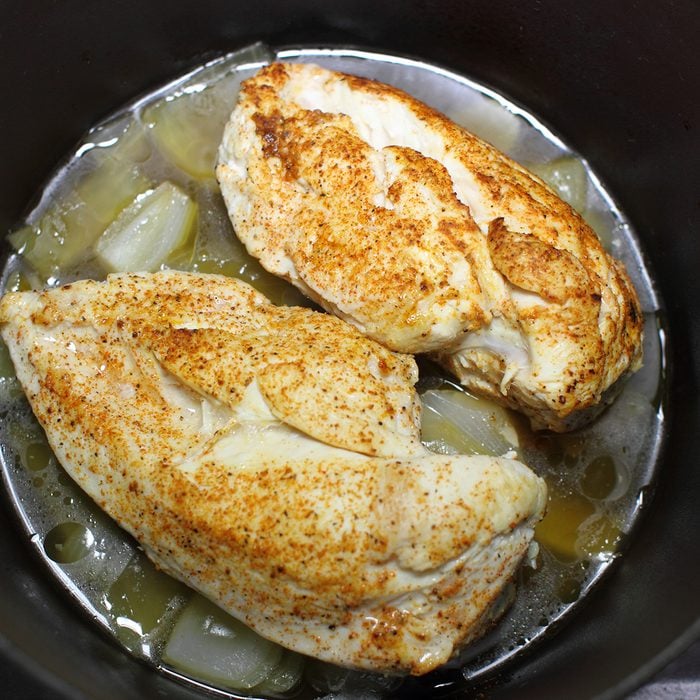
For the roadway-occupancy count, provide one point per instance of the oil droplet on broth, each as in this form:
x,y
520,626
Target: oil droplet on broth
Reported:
x,y
68,542
568,589
64,479
600,477
37,456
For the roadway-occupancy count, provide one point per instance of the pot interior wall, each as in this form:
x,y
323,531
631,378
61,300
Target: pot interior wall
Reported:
x,y
619,84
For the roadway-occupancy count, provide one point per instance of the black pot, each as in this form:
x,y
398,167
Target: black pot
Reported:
x,y
618,80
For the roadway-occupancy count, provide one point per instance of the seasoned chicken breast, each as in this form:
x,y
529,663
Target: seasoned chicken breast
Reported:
x,y
271,458
428,240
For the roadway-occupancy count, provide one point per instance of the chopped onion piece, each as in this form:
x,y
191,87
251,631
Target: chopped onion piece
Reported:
x,y
187,127
59,238
490,121
567,177
149,232
455,422
211,646
603,225
109,188
285,677
68,227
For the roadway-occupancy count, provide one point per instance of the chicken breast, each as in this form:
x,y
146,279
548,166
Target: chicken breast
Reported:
x,y
428,240
271,459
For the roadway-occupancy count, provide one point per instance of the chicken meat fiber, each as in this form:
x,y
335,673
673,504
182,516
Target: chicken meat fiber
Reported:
x,y
428,240
270,457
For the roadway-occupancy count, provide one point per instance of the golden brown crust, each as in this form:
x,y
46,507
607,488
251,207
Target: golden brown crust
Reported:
x,y
311,512
414,230
428,239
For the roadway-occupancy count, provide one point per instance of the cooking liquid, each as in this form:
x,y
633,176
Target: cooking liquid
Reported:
x,y
597,477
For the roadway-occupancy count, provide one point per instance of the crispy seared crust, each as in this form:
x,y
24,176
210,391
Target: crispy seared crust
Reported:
x,y
428,240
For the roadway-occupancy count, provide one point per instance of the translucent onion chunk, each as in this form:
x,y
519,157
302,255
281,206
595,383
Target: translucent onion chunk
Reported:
x,y
211,646
285,677
70,225
456,422
187,127
490,121
567,177
149,232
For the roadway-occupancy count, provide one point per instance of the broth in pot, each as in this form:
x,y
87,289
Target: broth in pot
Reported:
x,y
139,193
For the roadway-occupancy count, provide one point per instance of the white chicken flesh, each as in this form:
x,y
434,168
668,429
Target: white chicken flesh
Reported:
x,y
428,240
271,459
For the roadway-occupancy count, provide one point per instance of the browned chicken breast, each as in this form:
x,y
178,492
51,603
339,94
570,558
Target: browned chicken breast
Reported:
x,y
271,458
428,240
